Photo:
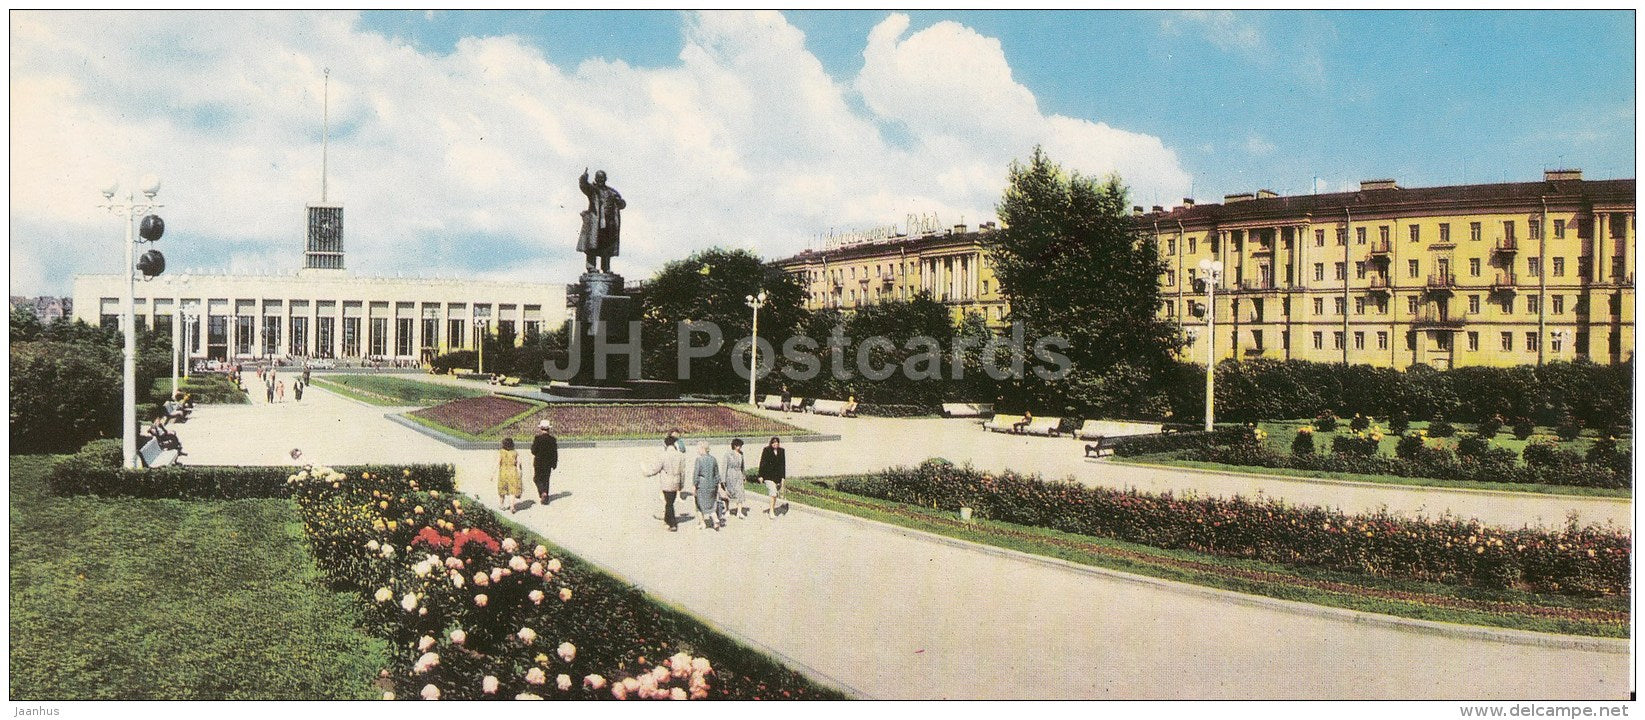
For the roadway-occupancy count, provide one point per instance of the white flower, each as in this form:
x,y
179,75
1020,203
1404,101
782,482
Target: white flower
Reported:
x,y
388,552
594,682
383,595
422,569
481,579
509,545
517,564
536,597
496,574
537,569
535,676
430,692
563,682
489,685
388,696
456,579
681,662
526,635
481,600
565,594
701,665
540,552
620,691
409,602
425,662
425,642
567,651
677,694
454,562
554,565
372,545
528,696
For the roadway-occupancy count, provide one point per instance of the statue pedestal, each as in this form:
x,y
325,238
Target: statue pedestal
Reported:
x,y
602,310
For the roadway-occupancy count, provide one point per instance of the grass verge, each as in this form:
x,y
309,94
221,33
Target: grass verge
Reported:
x,y
392,391
120,599
1172,459
1605,617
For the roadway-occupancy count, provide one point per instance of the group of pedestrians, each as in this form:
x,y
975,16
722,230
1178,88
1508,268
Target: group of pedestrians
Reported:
x,y
275,388
716,484
545,457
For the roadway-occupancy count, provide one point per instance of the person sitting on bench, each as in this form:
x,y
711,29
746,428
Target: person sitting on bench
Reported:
x,y
1027,419
850,409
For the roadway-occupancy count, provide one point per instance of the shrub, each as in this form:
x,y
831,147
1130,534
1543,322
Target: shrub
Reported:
x,y
1399,422
1569,428
1268,530
1358,443
1359,423
1603,452
1523,428
1303,443
73,476
457,359
893,410
1441,428
1419,461
1147,444
1489,427
1325,422
1409,446
1472,446
1547,454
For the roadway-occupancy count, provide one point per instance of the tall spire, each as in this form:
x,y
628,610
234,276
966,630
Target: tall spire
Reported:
x,y
325,132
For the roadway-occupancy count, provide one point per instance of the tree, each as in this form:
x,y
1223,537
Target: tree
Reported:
x,y
710,286
1071,265
912,341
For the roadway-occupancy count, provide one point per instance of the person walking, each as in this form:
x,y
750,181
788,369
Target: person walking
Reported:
x,y
685,464
280,391
666,468
297,390
270,386
733,475
706,476
545,456
773,469
788,400
508,476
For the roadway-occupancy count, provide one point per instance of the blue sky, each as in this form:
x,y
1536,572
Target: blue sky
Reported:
x,y
457,136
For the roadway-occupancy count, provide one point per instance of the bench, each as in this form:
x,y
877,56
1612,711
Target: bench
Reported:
x,y
511,382
796,405
176,411
772,402
1099,429
842,408
1103,447
963,410
1047,426
161,450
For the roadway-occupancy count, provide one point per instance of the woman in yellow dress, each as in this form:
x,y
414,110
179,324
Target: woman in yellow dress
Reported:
x,y
508,476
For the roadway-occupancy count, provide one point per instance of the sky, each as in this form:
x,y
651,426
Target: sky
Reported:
x,y
456,138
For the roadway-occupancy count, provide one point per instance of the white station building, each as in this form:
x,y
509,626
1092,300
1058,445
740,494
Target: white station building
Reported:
x,y
323,311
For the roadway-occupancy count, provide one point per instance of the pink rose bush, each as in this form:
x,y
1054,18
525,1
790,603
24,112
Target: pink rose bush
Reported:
x,y
465,605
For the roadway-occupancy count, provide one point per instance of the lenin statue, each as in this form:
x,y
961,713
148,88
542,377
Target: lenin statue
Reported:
x,y
602,221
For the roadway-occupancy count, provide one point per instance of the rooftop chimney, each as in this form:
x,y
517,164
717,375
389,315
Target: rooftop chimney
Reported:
x,y
1239,197
1159,209
1136,209
959,229
1567,174
1384,184
1265,194
1187,202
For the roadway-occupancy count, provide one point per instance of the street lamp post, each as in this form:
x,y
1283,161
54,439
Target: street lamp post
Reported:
x,y
178,356
1212,269
191,318
130,210
480,342
756,302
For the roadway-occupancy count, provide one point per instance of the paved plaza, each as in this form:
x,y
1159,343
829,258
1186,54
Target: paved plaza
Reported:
x,y
889,613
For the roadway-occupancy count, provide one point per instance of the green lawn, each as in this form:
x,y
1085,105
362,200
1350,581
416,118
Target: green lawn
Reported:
x,y
178,600
393,391
495,417
1173,459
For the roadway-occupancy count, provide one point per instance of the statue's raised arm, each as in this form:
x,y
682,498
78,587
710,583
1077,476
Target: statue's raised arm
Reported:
x,y
602,221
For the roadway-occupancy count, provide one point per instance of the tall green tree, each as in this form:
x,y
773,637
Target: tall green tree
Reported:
x,y
1071,265
711,286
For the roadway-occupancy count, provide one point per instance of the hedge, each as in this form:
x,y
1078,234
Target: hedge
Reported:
x,y
894,411
1575,561
1427,463
97,470
1187,440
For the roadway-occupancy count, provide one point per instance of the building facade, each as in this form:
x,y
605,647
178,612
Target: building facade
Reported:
x,y
1501,274
950,265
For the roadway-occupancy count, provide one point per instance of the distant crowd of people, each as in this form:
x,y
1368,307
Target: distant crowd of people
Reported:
x,y
274,388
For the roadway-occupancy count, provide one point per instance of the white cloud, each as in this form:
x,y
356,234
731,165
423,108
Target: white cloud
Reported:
x,y
1258,145
1224,28
466,161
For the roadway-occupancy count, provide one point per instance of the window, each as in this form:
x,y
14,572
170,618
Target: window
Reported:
x,y
1532,342
351,337
1359,306
1618,263
1533,266
1319,271
1473,267
1382,306
379,336
1416,233
245,330
1382,233
1342,271
1444,232
1171,246
1410,340
1584,267
1319,306
1285,305
1508,229
299,335
1508,304
1382,339
1256,339
1359,270
1555,341
1507,341
1285,339
325,335
1559,229
1559,267
1474,231
1473,341
1319,340
402,337
1619,226
1533,226
1340,305
1444,340
1336,340
454,334
1559,304
1319,238
1533,303
1359,236
431,332
1193,245
1359,340
1413,268
1473,304
1411,304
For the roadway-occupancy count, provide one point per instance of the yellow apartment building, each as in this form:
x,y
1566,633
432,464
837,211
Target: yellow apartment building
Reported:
x,y
1501,274
950,265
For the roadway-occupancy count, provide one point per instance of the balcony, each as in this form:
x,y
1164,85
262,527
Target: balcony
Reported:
x,y
1255,351
1256,284
1379,284
1443,283
1380,249
1435,320
1504,282
1506,246
1263,248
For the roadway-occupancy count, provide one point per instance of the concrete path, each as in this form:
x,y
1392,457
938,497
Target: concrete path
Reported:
x,y
888,613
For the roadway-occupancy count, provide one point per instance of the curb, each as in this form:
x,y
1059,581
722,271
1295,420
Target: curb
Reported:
x,y
461,444
1616,646
1364,484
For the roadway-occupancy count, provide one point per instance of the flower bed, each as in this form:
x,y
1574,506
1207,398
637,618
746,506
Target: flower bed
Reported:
x,y
1576,561
393,391
1422,463
603,421
475,416
474,609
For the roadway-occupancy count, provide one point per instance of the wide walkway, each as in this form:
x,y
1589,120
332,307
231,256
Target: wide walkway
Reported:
x,y
890,614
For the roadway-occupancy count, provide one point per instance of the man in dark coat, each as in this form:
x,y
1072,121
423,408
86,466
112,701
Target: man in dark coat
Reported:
x,y
773,468
602,221
545,456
